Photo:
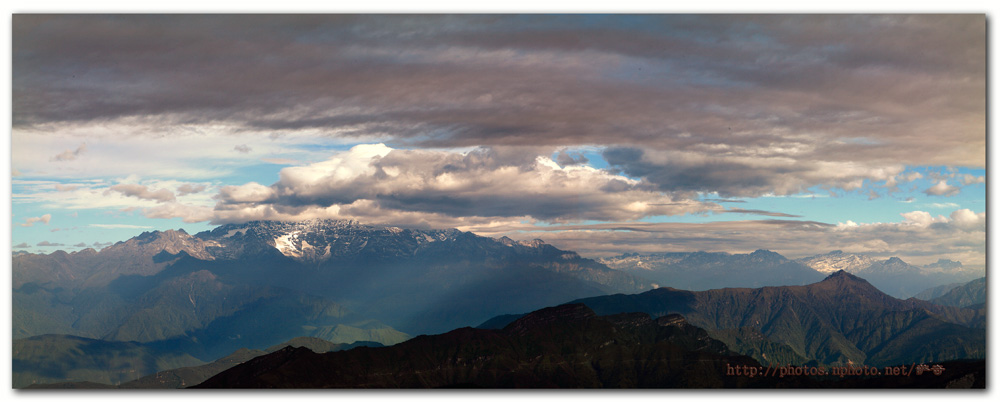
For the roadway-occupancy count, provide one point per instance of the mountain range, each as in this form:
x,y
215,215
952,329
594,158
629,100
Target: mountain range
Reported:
x,y
261,283
840,320
174,300
716,270
893,275
702,270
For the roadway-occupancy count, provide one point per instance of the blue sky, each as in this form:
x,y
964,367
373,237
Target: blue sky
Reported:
x,y
601,134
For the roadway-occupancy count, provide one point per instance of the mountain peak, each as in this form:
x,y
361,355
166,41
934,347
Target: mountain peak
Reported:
x,y
532,243
842,275
842,280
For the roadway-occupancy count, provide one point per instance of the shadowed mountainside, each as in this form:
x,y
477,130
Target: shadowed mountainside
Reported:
x,y
838,320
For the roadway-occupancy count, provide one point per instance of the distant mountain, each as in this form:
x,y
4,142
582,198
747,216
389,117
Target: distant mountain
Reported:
x,y
970,294
566,347
893,276
421,281
839,320
701,270
195,312
838,260
187,376
936,291
61,358
256,284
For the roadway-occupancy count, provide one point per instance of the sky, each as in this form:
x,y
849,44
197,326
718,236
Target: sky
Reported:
x,y
601,134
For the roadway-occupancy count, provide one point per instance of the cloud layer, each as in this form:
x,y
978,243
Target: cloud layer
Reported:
x,y
889,89
481,183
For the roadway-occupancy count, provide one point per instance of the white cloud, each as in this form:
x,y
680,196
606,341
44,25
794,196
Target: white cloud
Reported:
x,y
28,222
922,218
968,179
480,183
968,220
942,188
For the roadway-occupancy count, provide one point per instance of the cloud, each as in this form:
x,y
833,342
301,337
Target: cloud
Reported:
x,y
186,189
943,205
70,155
745,175
22,245
564,158
46,243
960,237
485,182
66,187
80,245
29,222
942,188
98,244
118,226
968,179
144,193
243,149
967,220
831,88
15,173
760,212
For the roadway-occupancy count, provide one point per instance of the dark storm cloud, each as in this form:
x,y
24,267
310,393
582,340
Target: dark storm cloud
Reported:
x,y
569,159
747,175
674,82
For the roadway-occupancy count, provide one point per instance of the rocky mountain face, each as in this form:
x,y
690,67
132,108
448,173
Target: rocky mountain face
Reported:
x,y
838,320
701,270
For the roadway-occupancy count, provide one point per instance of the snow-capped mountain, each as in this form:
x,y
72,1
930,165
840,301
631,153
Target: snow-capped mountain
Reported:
x,y
838,260
893,275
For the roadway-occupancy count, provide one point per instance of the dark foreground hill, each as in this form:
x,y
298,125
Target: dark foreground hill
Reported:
x,y
840,320
560,347
568,346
